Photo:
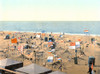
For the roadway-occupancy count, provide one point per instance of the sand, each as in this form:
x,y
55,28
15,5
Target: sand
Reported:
x,y
61,50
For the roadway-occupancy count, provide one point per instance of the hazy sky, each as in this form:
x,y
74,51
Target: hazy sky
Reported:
x,y
49,10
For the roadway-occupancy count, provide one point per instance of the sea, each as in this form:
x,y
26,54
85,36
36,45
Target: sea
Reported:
x,y
68,27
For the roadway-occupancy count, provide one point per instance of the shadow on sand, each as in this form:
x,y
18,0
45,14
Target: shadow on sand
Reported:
x,y
97,66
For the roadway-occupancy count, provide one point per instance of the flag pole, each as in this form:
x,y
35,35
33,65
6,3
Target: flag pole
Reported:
x,y
75,58
23,54
35,56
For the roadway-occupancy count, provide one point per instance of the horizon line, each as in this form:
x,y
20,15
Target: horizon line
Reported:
x,y
51,21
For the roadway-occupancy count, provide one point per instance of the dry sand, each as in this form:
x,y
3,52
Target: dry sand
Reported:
x,y
61,50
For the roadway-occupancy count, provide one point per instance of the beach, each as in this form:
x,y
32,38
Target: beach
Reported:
x,y
35,48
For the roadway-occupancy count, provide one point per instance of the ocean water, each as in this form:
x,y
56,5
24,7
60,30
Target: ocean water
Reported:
x,y
71,27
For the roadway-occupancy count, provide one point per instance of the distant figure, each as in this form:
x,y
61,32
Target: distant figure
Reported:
x,y
7,37
14,47
17,43
31,37
92,40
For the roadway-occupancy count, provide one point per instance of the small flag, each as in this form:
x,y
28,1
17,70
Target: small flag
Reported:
x,y
58,59
92,66
50,59
79,39
14,40
77,44
49,52
86,31
43,34
20,48
50,43
38,36
72,45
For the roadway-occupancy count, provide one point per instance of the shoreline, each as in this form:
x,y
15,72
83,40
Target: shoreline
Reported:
x,y
55,33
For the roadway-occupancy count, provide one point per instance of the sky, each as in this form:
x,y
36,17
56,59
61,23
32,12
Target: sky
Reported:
x,y
49,10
